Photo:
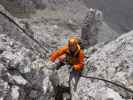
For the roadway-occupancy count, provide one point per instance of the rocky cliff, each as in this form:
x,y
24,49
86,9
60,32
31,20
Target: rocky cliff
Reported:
x,y
113,62
118,14
27,75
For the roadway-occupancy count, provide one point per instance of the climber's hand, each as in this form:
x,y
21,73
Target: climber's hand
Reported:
x,y
51,65
50,62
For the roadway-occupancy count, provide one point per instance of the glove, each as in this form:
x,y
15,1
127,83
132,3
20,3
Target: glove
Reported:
x,y
52,59
51,65
49,62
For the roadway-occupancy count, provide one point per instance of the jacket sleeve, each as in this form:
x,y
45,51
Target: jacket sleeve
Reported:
x,y
79,66
56,54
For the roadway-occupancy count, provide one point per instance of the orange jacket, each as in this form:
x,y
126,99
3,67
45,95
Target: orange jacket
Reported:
x,y
76,61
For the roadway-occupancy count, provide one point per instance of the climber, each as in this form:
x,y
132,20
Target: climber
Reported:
x,y
88,29
70,54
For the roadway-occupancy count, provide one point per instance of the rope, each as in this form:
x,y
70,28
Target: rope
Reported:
x,y
24,31
118,85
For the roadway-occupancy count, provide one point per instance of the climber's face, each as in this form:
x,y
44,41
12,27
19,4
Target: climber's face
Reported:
x,y
72,44
91,13
72,48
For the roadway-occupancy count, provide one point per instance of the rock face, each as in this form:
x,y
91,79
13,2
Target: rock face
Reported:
x,y
23,75
19,7
113,62
9,28
118,14
23,72
70,15
26,76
